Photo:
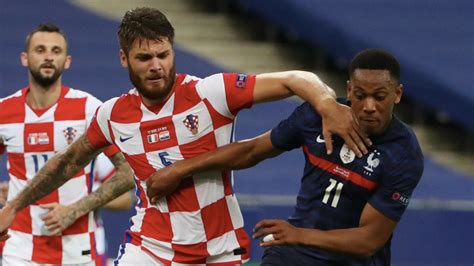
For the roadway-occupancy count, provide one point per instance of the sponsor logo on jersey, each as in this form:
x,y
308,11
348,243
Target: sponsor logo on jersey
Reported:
x,y
70,133
346,154
123,139
241,81
372,162
319,139
403,199
192,123
38,138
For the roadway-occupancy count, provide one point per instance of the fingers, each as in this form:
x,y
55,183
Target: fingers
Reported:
x,y
328,141
4,235
54,229
49,206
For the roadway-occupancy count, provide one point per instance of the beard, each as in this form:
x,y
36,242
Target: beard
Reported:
x,y
44,81
155,94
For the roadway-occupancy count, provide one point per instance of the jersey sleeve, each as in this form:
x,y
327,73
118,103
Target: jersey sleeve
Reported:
x,y
228,93
103,168
288,134
396,187
98,132
92,104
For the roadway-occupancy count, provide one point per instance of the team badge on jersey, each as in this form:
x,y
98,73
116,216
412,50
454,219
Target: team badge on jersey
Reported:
x,y
192,123
346,154
70,133
241,81
372,162
38,138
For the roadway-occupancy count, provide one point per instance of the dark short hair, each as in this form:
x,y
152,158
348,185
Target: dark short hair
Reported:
x,y
376,59
144,23
44,27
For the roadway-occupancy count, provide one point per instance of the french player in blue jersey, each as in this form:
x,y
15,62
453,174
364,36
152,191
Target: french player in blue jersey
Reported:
x,y
348,206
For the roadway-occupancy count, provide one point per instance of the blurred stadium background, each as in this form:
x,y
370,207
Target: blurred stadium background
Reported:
x,y
434,40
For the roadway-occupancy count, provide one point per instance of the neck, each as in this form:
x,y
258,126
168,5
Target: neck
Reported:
x,y
40,97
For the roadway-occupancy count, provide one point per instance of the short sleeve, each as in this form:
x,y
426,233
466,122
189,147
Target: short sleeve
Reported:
x,y
95,134
92,104
103,168
228,93
288,134
396,187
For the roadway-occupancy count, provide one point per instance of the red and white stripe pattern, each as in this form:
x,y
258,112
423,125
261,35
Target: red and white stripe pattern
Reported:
x,y
200,223
30,138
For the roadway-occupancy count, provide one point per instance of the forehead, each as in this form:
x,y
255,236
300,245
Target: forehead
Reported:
x,y
372,76
150,46
48,39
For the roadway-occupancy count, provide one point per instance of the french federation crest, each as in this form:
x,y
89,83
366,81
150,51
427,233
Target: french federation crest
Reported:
x,y
192,123
70,134
346,154
372,162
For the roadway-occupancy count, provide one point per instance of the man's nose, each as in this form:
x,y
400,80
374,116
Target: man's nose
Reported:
x,y
369,105
155,64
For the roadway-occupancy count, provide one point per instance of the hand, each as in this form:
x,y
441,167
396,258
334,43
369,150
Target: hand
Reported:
x,y
163,182
283,233
339,119
3,192
7,214
58,218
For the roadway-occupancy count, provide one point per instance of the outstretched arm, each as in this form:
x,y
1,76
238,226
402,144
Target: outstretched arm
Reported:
x,y
373,232
237,155
337,118
52,175
61,217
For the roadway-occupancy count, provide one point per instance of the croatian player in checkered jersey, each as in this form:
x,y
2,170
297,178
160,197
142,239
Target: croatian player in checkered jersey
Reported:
x,y
35,123
168,117
102,170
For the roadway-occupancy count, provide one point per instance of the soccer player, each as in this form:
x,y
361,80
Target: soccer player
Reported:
x,y
103,169
347,207
168,117
35,123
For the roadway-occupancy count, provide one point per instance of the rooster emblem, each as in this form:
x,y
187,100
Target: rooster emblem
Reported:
x,y
372,162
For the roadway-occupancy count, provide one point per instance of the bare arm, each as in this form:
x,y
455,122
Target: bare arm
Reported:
x,y
373,232
337,118
121,182
121,203
56,172
52,175
237,155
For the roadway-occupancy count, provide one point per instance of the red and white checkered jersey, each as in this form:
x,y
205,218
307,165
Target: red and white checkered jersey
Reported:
x,y
201,222
30,138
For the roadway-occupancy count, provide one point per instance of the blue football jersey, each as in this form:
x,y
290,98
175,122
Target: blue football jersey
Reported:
x,y
335,188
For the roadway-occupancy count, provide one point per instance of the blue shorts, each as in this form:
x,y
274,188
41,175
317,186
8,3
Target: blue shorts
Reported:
x,y
289,255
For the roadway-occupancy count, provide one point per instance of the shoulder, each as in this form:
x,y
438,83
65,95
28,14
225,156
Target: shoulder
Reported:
x,y
306,113
403,150
15,97
12,106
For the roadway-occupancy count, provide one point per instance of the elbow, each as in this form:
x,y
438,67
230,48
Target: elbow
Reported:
x,y
367,249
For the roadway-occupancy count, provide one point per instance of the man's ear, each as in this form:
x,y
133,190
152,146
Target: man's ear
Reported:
x,y
123,59
24,59
348,88
67,64
399,93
